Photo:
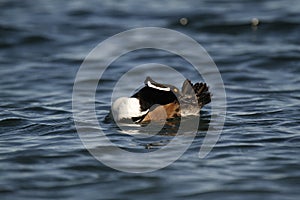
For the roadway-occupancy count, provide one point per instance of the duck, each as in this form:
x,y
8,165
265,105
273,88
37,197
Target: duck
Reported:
x,y
160,102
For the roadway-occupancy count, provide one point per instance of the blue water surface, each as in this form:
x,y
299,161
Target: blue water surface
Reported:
x,y
43,44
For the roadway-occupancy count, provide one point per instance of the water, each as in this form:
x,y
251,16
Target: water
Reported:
x,y
43,45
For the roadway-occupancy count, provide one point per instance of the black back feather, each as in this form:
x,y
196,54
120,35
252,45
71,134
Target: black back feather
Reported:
x,y
150,96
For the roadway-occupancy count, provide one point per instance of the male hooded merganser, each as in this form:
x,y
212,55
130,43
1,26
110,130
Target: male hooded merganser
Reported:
x,y
156,102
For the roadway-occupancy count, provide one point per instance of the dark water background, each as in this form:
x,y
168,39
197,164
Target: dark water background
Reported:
x,y
42,45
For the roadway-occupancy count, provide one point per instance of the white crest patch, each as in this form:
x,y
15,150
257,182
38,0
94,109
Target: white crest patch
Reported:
x,y
158,88
126,108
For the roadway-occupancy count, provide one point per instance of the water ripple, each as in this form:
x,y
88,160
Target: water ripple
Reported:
x,y
43,45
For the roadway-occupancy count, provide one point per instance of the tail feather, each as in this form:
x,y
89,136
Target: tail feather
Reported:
x,y
201,90
187,87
